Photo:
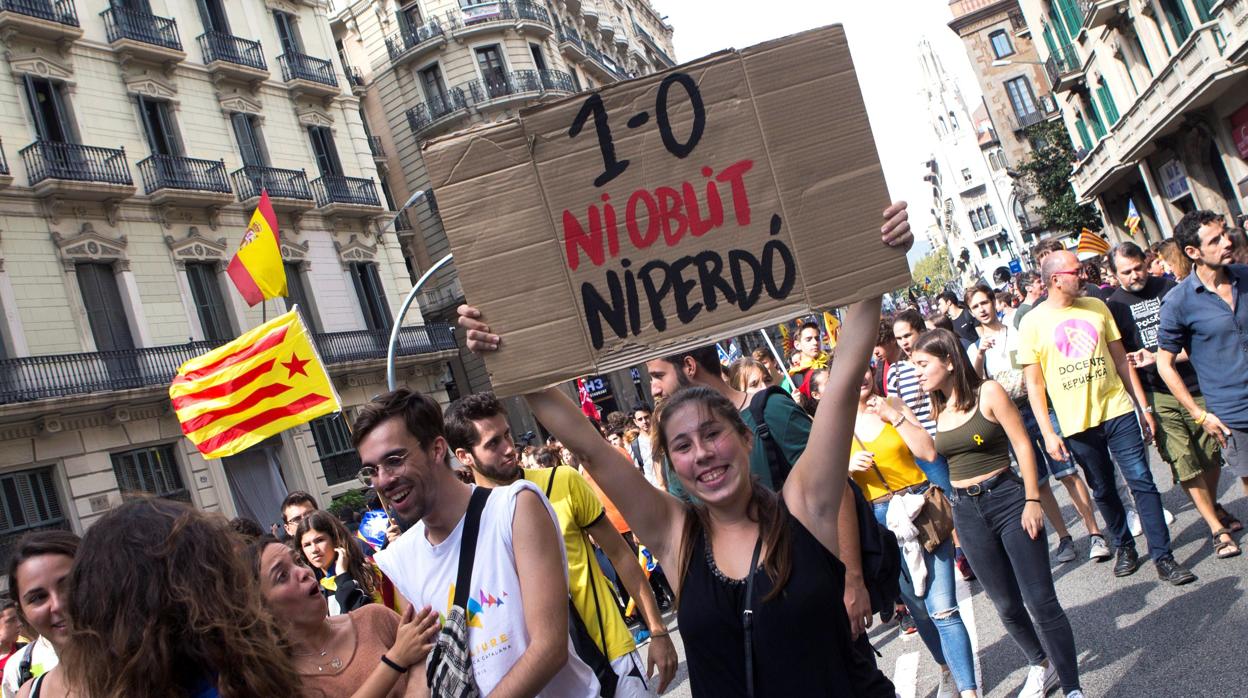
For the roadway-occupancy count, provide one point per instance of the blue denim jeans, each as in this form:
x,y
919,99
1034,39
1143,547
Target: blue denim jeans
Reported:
x,y
1121,437
1046,465
1014,570
946,637
937,472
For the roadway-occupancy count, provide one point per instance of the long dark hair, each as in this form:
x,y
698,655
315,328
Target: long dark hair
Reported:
x,y
765,507
157,593
38,544
357,566
945,346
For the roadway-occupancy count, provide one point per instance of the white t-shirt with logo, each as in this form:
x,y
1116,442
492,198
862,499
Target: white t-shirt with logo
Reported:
x,y
43,661
425,574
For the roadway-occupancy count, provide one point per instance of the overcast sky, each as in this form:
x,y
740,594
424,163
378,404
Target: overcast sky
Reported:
x,y
883,37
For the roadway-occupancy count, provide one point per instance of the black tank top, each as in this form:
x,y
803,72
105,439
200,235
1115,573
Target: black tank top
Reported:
x,y
802,644
977,447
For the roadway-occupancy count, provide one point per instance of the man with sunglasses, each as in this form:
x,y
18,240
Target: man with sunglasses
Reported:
x,y
1072,352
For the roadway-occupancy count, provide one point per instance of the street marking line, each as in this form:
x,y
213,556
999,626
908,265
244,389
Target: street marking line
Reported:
x,y
906,675
966,608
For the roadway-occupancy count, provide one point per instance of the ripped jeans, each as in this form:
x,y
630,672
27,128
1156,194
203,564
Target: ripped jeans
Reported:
x,y
936,612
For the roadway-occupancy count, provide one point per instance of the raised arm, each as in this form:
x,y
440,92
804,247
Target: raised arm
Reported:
x,y
813,489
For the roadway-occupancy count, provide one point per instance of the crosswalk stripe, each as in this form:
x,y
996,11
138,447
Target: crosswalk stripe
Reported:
x,y
906,675
966,608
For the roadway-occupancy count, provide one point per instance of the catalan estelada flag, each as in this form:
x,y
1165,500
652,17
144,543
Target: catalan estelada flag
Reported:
x,y
256,269
832,325
1092,243
1133,218
263,383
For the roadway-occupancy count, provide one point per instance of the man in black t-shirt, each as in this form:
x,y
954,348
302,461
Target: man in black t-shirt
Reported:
x,y
1193,455
963,324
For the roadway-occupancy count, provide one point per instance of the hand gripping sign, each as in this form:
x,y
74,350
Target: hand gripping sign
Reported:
x,y
669,211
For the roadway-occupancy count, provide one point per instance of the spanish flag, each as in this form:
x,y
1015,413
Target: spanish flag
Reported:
x,y
263,383
256,268
1091,243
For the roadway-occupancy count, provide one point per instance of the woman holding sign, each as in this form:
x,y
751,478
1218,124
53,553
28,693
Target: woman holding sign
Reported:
x,y
754,570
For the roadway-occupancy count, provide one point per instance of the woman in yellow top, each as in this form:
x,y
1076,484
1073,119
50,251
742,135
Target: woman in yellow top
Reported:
x,y
887,438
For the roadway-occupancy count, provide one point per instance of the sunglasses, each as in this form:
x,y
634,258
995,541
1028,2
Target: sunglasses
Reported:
x,y
1070,273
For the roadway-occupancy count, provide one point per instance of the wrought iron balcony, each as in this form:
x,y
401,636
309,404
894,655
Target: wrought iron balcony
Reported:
x,y
355,78
371,345
526,10
299,66
217,46
1046,107
569,35
121,23
46,160
283,184
605,63
375,146
403,223
500,85
189,174
411,41
1063,65
654,45
485,13
436,108
4,162
61,375
59,11
353,191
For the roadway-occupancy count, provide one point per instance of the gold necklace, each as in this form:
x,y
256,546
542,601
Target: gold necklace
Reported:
x,y
334,663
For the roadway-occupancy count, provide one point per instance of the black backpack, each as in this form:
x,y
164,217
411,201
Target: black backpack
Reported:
x,y
881,558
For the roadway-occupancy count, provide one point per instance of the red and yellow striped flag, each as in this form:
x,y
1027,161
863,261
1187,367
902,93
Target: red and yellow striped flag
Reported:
x,y
256,268
1090,242
832,325
263,383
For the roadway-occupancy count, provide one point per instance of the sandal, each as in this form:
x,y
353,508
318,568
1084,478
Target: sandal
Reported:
x,y
1223,549
1228,519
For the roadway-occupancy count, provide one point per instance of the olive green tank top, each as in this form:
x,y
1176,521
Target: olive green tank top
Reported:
x,y
975,448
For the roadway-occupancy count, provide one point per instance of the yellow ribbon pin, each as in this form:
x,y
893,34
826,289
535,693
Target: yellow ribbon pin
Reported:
x,y
979,440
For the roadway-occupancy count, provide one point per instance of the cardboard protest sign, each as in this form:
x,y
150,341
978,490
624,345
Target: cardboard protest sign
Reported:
x,y
669,211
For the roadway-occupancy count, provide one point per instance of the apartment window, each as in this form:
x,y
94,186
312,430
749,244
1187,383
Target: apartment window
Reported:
x,y
30,503
1081,127
339,460
106,314
953,122
1177,17
212,13
992,217
46,100
205,286
247,135
323,148
1000,43
435,89
966,175
1107,102
410,15
386,194
983,250
287,32
576,79
151,470
493,70
371,295
158,126
297,294
538,59
1021,97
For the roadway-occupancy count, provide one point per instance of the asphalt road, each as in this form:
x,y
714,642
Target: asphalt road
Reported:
x,y
1137,637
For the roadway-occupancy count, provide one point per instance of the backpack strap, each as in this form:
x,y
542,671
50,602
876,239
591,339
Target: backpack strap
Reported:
x,y
777,463
468,545
550,484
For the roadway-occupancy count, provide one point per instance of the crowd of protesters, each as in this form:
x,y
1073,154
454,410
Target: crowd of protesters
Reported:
x,y
921,449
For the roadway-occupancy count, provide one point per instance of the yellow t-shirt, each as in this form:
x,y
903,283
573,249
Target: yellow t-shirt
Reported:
x,y
894,460
1072,347
578,507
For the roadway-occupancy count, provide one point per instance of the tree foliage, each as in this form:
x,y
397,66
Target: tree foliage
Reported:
x,y
1048,171
934,266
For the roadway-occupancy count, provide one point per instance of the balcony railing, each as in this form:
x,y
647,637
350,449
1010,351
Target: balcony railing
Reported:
x,y
168,172
59,11
1063,61
569,35
4,162
403,223
354,77
525,9
299,66
81,163
121,23
1046,107
232,49
654,46
61,375
482,13
502,84
283,184
411,38
435,108
375,146
337,189
611,66
370,345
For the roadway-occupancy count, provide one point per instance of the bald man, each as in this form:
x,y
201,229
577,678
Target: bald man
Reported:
x,y
1071,351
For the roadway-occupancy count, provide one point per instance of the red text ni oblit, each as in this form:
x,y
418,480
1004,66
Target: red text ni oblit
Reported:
x,y
667,213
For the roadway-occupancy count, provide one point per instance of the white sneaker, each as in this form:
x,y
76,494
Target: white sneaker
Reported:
x,y
1075,694
1168,516
1133,523
1098,549
1039,680
946,689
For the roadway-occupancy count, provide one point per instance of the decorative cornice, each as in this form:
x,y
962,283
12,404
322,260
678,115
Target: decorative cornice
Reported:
x,y
355,251
91,247
196,248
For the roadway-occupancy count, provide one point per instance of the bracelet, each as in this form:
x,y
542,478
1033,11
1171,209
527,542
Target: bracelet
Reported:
x,y
1037,501
386,660
665,633
1204,414
901,417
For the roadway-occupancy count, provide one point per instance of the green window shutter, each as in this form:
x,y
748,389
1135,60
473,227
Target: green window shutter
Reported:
x,y
1084,138
1180,24
1107,103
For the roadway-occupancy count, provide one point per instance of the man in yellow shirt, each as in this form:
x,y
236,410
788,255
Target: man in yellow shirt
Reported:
x,y
477,431
1070,346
